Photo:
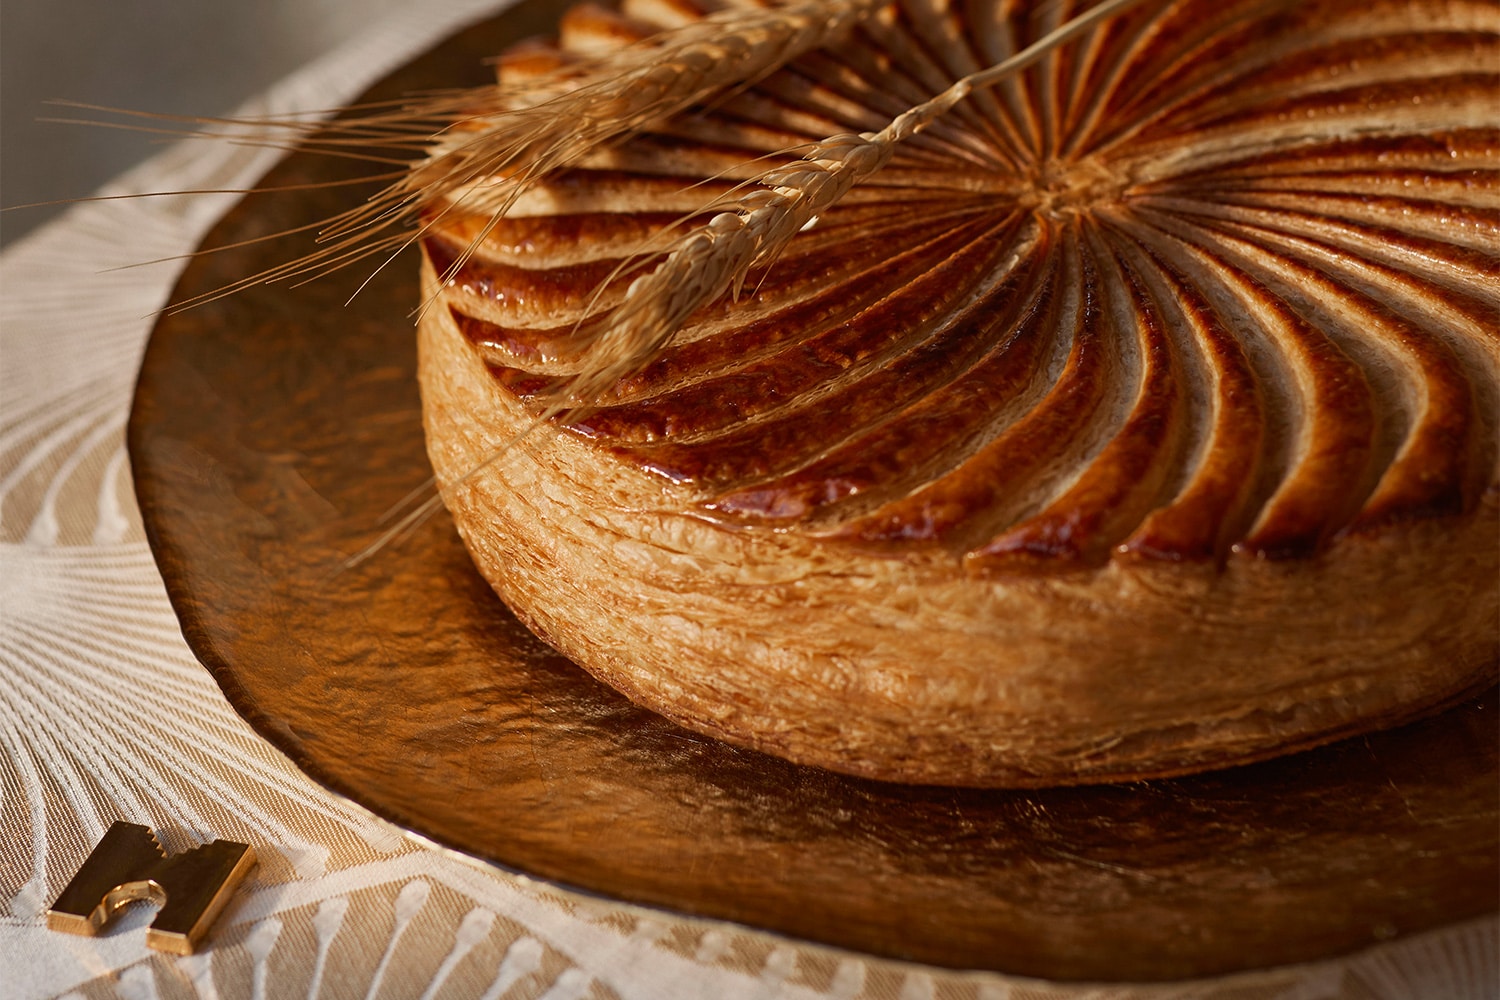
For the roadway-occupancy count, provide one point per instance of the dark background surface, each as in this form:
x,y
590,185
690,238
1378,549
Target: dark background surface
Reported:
x,y
172,56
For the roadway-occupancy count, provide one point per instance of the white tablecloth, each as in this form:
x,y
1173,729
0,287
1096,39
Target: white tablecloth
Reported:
x,y
105,715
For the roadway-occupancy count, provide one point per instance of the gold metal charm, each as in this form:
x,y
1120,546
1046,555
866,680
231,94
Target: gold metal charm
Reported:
x,y
128,865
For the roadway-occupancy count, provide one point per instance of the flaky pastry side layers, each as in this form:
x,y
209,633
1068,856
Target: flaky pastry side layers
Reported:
x,y
1138,417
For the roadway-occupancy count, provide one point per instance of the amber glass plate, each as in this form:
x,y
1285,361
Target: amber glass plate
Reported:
x,y
273,428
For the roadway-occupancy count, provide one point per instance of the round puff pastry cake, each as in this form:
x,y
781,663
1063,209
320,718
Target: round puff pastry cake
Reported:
x,y
1138,417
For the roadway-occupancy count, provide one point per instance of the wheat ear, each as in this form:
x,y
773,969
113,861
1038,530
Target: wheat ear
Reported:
x,y
504,142
715,258
482,147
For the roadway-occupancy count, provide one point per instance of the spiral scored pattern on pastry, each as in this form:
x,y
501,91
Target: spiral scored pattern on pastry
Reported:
x,y
1188,331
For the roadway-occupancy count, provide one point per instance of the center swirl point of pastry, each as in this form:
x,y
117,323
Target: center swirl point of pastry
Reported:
x,y
1059,188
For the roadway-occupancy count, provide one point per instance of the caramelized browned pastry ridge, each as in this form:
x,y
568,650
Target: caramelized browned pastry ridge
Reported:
x,y
1139,417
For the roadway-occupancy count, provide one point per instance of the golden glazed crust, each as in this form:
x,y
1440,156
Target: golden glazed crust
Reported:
x,y
1136,419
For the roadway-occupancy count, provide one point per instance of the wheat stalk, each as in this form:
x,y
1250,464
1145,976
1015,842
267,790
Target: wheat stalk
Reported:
x,y
714,258
708,261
